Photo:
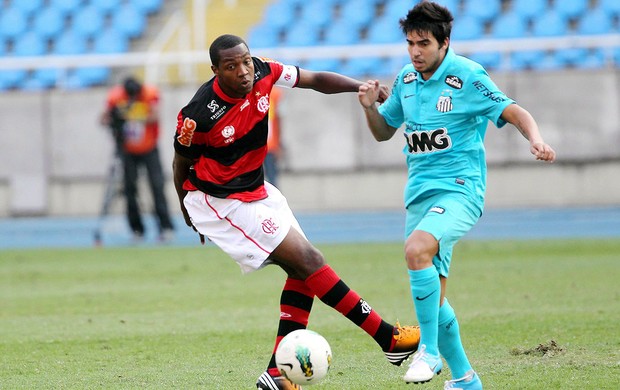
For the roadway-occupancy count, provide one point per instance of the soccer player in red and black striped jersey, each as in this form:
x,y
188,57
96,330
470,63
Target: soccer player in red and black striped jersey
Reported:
x,y
220,144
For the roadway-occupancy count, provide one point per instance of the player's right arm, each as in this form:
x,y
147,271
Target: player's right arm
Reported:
x,y
368,94
180,170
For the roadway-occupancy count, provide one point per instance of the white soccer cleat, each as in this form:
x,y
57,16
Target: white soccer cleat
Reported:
x,y
423,367
471,381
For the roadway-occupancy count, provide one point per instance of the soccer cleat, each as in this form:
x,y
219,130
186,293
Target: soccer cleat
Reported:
x,y
404,343
471,381
268,382
423,367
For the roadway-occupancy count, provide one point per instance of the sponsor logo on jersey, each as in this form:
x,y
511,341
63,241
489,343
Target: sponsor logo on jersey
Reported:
x,y
410,77
213,106
228,133
187,132
269,226
487,92
245,104
454,82
429,141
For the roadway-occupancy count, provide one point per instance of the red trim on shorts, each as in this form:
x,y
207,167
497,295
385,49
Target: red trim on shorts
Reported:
x,y
235,226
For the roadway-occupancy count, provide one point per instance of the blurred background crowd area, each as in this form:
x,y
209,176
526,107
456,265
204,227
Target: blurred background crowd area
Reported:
x,y
544,34
560,59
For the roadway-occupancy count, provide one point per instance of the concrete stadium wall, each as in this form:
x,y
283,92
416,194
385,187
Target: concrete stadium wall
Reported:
x,y
55,155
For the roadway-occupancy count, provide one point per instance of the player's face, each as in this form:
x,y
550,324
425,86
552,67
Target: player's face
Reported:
x,y
235,72
426,52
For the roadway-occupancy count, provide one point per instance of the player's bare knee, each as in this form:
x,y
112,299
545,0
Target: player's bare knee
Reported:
x,y
417,257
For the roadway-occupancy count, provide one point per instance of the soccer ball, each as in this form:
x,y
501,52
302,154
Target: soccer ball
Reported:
x,y
304,356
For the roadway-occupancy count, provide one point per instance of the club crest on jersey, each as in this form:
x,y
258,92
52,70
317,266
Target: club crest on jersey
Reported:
x,y
263,104
228,133
410,77
444,104
454,82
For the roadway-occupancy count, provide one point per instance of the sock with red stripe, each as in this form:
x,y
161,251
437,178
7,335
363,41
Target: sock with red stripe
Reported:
x,y
330,289
295,305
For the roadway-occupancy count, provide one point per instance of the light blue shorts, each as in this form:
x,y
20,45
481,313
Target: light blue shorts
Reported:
x,y
447,216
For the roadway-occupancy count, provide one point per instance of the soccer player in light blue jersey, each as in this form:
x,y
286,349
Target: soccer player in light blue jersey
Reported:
x,y
444,102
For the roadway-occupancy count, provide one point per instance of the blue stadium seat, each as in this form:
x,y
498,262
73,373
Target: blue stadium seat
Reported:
x,y
323,64
570,57
318,12
482,10
452,5
384,30
66,7
148,7
395,64
12,78
610,6
28,6
88,77
397,9
129,21
341,33
489,60
263,35
550,24
373,67
357,14
49,23
88,21
529,9
595,21
526,59
69,43
594,59
570,9
13,23
279,15
467,28
509,25
30,44
107,7
302,34
110,41
44,78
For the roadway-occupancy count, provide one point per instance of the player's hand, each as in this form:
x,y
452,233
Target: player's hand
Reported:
x,y
543,152
369,93
188,222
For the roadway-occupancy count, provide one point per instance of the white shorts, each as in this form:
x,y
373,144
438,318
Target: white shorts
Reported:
x,y
247,231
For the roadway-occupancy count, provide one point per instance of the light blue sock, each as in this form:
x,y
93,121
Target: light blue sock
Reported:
x,y
426,290
450,344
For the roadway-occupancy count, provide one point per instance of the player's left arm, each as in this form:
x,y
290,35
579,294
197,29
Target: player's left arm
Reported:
x,y
527,126
331,82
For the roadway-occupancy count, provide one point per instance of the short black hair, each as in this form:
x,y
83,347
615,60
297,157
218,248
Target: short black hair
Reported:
x,y
223,42
428,16
132,87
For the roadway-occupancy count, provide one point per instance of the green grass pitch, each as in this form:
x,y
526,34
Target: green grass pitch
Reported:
x,y
533,315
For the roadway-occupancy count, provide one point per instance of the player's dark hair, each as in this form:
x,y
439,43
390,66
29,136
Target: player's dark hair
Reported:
x,y
428,16
223,42
132,87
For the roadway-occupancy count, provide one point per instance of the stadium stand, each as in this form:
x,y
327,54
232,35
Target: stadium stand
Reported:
x,y
74,27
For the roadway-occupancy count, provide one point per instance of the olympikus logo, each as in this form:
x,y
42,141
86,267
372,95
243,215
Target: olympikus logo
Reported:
x,y
187,132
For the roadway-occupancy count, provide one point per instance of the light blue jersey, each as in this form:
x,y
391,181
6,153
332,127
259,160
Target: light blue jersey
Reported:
x,y
445,121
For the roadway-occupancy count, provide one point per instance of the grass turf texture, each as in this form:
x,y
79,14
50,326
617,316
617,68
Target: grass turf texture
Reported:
x,y
534,315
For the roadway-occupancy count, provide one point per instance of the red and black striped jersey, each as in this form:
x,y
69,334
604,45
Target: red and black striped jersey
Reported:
x,y
227,137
